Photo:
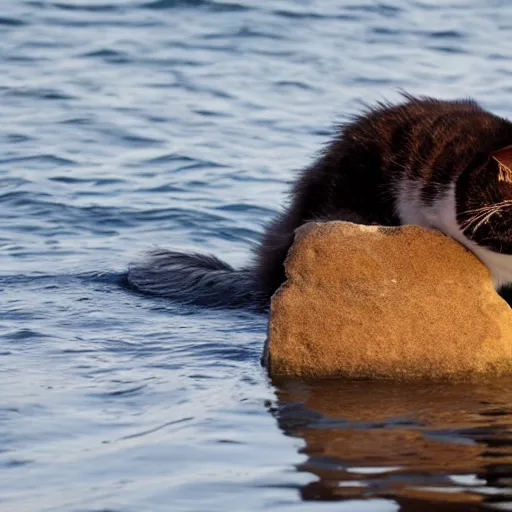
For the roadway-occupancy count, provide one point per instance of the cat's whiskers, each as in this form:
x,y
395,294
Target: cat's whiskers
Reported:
x,y
486,218
484,215
478,214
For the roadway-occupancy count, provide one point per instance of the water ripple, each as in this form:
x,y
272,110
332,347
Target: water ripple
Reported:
x,y
211,5
130,124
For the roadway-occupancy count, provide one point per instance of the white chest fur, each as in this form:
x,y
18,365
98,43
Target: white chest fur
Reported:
x,y
441,215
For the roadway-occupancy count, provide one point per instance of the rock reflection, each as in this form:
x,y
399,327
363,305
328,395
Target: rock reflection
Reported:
x,y
443,447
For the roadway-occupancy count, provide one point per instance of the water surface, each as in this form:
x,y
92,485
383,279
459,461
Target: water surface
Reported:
x,y
127,124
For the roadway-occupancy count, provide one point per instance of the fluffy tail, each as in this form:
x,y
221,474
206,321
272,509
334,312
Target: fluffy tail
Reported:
x,y
197,279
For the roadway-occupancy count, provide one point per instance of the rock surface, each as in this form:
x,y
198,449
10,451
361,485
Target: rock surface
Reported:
x,y
386,302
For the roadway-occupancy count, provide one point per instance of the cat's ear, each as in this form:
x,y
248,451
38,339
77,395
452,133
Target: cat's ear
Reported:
x,y
504,159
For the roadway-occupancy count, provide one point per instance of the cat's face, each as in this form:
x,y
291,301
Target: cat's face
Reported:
x,y
484,206
483,214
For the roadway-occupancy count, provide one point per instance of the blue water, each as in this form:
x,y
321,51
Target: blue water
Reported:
x,y
126,124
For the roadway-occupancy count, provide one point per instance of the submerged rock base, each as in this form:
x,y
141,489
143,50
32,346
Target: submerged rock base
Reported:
x,y
386,303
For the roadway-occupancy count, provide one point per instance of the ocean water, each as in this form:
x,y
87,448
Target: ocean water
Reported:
x,y
130,124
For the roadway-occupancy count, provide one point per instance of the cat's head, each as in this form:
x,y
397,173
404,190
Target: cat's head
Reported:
x,y
484,202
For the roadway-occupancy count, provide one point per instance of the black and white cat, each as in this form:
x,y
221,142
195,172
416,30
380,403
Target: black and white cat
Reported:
x,y
439,164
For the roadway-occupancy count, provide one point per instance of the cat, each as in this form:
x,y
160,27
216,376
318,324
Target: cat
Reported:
x,y
440,164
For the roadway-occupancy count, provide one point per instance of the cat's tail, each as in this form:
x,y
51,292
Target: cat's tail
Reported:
x,y
196,279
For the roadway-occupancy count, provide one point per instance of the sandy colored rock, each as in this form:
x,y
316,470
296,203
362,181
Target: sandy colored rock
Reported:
x,y
386,302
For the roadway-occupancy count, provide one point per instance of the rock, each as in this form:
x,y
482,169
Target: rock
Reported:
x,y
388,303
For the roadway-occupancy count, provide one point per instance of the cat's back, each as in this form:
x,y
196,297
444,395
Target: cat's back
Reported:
x,y
423,140
423,132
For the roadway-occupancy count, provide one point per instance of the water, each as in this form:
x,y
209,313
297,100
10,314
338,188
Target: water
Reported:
x,y
127,124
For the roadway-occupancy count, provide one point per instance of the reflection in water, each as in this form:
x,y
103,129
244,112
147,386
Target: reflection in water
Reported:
x,y
443,447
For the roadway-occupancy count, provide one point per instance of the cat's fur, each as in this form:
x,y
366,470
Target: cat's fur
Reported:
x,y
439,164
